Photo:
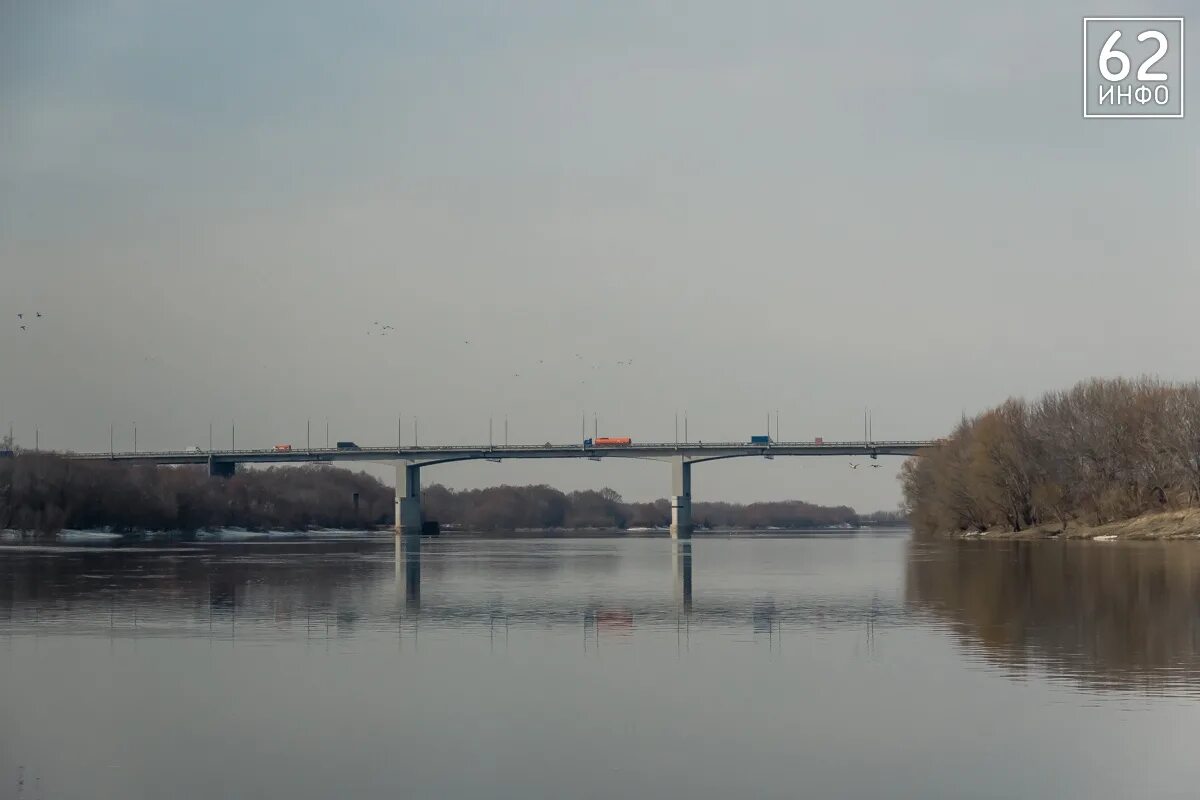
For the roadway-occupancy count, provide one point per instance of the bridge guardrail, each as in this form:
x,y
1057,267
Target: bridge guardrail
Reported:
x,y
299,453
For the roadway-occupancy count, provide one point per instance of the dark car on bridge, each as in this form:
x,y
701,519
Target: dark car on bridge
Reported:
x,y
347,446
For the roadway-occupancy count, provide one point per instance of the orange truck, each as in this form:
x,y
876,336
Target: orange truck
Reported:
x,y
283,448
607,441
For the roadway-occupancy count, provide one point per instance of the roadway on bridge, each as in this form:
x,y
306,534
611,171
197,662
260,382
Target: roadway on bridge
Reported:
x,y
692,451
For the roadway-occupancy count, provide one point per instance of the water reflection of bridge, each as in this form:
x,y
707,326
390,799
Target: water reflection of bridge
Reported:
x,y
1118,616
225,595
408,555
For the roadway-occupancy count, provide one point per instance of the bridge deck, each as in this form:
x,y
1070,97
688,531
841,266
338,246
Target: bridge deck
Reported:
x,y
695,451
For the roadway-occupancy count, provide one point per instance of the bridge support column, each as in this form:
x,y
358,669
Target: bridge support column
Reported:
x,y
681,498
221,469
408,499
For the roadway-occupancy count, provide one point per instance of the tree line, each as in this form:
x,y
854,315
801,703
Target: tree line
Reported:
x,y
515,507
1104,450
45,493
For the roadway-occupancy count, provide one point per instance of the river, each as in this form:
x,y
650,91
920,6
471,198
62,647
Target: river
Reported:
x,y
808,665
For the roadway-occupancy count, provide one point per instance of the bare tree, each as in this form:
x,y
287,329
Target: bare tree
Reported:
x,y
1100,451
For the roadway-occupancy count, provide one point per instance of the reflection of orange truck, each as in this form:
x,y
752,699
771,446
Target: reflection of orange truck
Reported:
x,y
614,620
283,448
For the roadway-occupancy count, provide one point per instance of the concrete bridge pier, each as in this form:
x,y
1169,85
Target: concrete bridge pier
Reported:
x,y
681,498
408,499
221,469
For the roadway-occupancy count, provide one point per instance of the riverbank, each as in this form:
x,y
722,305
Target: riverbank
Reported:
x,y
1108,449
1183,524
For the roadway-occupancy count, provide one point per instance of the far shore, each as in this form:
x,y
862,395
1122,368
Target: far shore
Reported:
x,y
1183,524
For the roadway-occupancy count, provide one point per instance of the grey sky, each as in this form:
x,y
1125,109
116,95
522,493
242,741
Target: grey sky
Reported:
x,y
803,207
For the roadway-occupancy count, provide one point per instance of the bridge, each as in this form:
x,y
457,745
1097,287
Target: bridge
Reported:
x,y
409,461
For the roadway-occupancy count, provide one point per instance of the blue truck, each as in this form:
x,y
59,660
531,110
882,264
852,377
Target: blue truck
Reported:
x,y
760,440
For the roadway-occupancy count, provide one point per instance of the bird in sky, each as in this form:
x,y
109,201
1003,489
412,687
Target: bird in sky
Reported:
x,y
466,341
853,465
22,327
39,314
20,316
876,466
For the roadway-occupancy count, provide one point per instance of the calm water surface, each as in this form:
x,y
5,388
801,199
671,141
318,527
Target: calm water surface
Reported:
x,y
782,666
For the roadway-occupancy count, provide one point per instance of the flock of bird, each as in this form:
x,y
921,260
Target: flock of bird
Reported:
x,y
21,320
381,329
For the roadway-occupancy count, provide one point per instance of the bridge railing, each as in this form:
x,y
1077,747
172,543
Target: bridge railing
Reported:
x,y
488,448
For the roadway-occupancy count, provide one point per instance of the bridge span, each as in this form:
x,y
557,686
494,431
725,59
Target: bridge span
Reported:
x,y
409,461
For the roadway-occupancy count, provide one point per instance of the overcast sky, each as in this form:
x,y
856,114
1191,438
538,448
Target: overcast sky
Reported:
x,y
809,207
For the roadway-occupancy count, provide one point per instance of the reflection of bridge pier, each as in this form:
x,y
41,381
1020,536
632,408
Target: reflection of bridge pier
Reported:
x,y
408,569
682,558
